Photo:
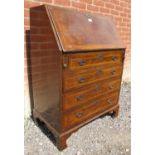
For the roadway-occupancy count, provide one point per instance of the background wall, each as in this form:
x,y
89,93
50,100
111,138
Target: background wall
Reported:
x,y
117,10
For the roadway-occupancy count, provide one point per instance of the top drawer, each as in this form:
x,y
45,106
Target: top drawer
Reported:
x,y
81,60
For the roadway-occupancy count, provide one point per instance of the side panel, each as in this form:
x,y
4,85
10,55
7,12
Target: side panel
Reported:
x,y
45,67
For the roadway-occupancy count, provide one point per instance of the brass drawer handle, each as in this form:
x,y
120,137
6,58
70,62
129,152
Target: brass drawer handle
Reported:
x,y
79,98
111,86
113,72
82,62
99,57
82,80
114,58
109,101
99,72
79,114
97,87
95,102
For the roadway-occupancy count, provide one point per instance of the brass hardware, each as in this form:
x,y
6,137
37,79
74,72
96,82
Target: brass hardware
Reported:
x,y
111,86
114,58
65,65
99,57
65,61
79,114
95,102
113,72
82,79
109,101
79,98
99,72
82,62
98,87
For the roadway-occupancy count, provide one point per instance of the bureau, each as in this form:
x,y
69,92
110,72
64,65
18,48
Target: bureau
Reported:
x,y
76,68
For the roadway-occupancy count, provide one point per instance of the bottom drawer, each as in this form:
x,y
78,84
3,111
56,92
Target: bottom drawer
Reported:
x,y
89,110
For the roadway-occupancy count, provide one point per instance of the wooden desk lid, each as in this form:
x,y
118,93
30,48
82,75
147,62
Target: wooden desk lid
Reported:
x,y
77,31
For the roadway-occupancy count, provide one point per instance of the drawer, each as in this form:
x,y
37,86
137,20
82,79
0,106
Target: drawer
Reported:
x,y
82,95
94,107
82,60
78,78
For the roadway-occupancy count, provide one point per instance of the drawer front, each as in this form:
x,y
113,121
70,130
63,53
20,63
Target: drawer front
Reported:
x,y
89,110
83,77
82,60
80,96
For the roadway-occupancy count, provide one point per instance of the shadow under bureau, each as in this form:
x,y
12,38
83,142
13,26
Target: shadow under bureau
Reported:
x,y
76,68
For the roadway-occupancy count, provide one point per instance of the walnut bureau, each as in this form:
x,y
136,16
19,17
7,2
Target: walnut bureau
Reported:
x,y
76,68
